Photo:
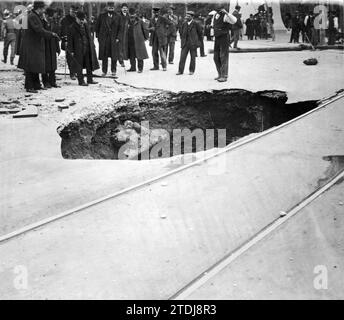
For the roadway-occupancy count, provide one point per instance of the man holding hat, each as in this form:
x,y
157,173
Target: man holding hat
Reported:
x,y
81,49
221,24
191,36
32,58
66,22
9,35
108,32
158,27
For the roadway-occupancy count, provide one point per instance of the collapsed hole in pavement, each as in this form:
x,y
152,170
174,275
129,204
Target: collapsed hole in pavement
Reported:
x,y
150,127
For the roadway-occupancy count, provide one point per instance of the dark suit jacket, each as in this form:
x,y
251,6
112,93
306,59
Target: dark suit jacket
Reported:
x,y
172,29
160,30
191,35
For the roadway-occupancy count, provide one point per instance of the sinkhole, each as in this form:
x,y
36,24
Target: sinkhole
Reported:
x,y
167,124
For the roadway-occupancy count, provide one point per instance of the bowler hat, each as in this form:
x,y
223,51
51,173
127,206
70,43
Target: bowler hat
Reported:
x,y
81,15
132,11
38,5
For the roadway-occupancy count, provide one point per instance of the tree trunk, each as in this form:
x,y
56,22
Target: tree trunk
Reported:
x,y
90,7
98,8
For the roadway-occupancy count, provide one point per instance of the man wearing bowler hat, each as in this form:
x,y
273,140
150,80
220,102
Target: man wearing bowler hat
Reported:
x,y
158,28
82,50
32,57
65,23
191,36
108,33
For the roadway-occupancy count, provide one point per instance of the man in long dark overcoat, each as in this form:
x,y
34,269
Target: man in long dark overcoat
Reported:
x,y
123,44
32,57
137,35
66,22
108,32
52,48
82,49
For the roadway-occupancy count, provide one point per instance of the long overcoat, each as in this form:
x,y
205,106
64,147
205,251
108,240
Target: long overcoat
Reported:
x,y
108,31
140,36
32,55
52,47
75,45
123,44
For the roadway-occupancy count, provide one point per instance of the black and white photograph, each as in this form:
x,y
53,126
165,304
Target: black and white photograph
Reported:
x,y
182,150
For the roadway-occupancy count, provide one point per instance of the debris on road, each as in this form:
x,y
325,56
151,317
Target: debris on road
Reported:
x,y
310,62
63,106
28,112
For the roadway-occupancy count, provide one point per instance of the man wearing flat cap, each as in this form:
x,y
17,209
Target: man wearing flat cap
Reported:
x,y
82,49
108,33
8,30
171,34
158,28
190,36
32,57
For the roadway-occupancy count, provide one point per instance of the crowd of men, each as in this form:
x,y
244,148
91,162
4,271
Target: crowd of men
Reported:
x,y
121,36
260,26
303,24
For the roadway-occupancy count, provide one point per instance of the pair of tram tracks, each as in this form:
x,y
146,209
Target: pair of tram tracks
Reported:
x,y
196,283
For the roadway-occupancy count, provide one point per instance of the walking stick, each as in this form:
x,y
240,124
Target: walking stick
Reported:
x,y
65,65
313,48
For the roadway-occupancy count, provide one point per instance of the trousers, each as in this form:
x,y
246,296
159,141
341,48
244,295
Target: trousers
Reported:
x,y
221,55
